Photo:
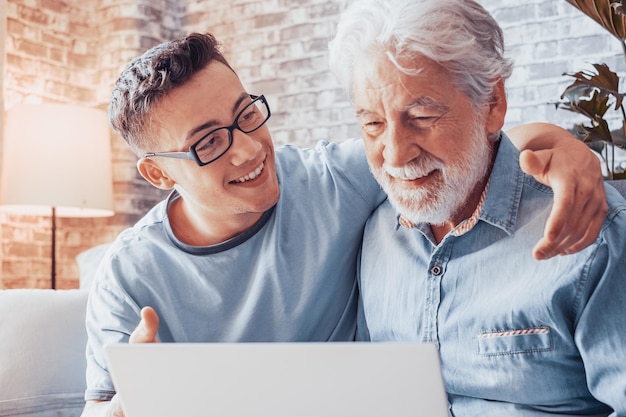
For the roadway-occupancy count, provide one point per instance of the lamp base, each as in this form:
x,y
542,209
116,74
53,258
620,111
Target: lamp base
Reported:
x,y
53,257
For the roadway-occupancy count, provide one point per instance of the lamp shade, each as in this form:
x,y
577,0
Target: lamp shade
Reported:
x,y
56,155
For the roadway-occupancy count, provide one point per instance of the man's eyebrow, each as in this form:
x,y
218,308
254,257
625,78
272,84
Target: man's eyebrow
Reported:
x,y
426,102
212,123
362,112
419,102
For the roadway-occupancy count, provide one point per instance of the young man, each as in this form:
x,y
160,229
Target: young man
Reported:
x,y
447,259
254,243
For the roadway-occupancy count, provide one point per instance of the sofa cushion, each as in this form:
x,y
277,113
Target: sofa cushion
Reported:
x,y
42,346
88,262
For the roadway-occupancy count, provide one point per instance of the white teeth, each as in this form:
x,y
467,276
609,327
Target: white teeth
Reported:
x,y
251,175
413,170
409,178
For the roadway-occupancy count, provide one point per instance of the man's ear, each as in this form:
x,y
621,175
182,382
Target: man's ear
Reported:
x,y
497,108
154,174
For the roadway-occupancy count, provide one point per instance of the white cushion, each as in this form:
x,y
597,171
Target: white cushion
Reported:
x,y
88,261
42,352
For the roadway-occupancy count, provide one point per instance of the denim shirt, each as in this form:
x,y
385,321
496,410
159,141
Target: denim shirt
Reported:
x,y
516,336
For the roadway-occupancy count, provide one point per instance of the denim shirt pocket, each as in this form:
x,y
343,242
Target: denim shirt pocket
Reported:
x,y
509,342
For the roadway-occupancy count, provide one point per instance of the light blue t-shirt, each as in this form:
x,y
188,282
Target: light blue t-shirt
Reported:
x,y
292,277
516,336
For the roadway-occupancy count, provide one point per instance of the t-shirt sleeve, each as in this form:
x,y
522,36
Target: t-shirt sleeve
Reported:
x,y
348,160
110,318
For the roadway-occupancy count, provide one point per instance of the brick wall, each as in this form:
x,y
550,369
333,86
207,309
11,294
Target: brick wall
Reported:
x,y
279,49
72,51
547,39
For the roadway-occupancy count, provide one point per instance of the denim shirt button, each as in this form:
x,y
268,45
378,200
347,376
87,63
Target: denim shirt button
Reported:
x,y
436,270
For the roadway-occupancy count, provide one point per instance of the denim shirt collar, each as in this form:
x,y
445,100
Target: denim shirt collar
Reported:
x,y
505,188
503,197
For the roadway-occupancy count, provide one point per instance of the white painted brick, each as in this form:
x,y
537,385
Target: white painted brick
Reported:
x,y
325,99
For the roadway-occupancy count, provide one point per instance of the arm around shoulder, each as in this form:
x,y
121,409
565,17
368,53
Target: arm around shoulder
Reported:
x,y
557,159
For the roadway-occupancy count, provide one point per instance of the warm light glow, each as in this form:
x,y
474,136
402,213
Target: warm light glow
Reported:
x,y
56,155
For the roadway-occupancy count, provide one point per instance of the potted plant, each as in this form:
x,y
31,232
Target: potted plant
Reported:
x,y
596,91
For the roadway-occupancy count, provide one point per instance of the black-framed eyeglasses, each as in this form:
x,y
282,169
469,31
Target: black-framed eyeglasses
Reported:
x,y
217,142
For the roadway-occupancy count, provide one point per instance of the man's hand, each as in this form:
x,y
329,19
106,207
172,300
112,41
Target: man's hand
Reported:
x,y
579,208
559,160
145,332
103,408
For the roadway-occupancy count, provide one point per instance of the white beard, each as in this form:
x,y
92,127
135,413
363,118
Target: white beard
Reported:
x,y
438,201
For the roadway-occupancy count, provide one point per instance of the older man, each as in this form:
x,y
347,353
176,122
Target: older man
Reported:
x,y
448,258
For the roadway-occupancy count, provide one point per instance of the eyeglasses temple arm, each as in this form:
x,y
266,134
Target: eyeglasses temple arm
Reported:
x,y
179,155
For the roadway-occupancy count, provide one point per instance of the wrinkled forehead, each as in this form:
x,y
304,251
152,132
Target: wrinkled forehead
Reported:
x,y
418,80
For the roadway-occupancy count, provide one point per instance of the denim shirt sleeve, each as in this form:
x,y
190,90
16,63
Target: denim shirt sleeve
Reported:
x,y
600,331
362,332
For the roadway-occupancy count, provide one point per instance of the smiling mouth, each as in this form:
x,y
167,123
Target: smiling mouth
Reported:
x,y
250,176
412,178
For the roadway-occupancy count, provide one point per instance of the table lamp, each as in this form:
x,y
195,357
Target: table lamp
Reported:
x,y
56,161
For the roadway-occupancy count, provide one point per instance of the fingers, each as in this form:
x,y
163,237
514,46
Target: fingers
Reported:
x,y
574,222
579,205
112,408
146,330
535,163
116,407
554,231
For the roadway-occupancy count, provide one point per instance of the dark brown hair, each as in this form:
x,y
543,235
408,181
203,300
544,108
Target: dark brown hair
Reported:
x,y
150,77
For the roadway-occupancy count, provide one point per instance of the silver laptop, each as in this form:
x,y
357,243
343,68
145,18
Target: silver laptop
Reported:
x,y
278,380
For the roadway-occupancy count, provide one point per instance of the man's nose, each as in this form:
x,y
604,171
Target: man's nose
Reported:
x,y
245,147
401,146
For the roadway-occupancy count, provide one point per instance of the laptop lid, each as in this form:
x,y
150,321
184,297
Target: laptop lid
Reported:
x,y
278,379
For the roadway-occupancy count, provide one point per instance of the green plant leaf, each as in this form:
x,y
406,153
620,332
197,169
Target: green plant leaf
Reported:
x,y
594,108
604,13
603,81
576,91
598,132
593,91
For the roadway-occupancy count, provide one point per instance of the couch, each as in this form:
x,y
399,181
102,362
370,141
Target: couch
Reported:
x,y
42,352
42,346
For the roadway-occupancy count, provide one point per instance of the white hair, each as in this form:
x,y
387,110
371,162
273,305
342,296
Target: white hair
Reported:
x,y
460,35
